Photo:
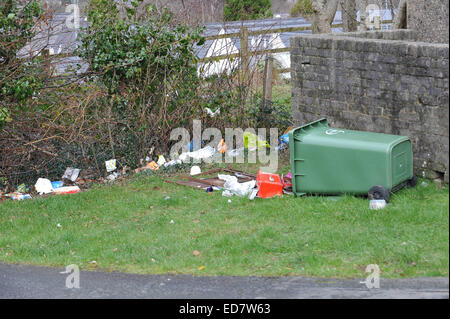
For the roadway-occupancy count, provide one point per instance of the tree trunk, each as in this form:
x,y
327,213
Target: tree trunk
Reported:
x,y
349,15
400,21
363,15
324,12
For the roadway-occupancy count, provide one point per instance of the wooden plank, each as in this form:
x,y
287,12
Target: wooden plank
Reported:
x,y
251,53
245,61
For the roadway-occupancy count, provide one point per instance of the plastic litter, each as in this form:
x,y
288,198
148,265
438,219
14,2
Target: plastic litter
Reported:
x,y
235,152
161,160
211,113
205,152
172,163
22,188
233,186
19,196
222,146
111,165
377,204
152,165
71,173
113,176
269,185
43,186
253,141
67,190
283,141
227,193
195,170
253,194
57,184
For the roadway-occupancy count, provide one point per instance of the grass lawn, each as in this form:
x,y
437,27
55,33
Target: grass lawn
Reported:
x,y
128,228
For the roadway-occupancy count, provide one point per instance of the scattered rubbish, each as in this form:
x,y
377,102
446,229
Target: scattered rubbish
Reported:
x,y
71,174
190,145
376,204
111,165
217,184
167,198
57,184
222,146
424,184
227,193
287,181
172,222
19,196
152,165
196,253
211,113
172,163
235,152
201,267
22,188
232,185
203,153
195,170
67,190
253,141
253,194
210,189
284,141
147,159
229,201
43,186
161,160
113,176
59,226
270,185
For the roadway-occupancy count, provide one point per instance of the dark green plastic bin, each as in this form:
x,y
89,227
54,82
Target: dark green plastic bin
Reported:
x,y
333,161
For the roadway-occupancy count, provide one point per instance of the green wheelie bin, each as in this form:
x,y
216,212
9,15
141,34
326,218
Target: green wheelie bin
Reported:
x,y
334,161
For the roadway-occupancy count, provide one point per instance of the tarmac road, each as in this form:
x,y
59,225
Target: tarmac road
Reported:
x,y
18,281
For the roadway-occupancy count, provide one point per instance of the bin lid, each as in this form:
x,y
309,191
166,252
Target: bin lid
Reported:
x,y
319,133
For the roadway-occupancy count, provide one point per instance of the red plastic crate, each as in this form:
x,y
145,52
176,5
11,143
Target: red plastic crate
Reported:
x,y
269,185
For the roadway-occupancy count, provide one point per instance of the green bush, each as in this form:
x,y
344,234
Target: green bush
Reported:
x,y
238,10
302,8
18,80
147,65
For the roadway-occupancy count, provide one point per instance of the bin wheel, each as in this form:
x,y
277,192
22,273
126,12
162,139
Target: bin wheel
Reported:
x,y
379,192
412,182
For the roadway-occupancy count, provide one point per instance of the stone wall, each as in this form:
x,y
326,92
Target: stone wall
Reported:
x,y
430,19
380,81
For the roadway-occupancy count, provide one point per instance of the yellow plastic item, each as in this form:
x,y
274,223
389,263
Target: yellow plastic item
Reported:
x,y
252,141
152,165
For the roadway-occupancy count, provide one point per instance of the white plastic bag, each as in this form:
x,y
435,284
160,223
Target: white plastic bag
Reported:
x,y
205,152
43,186
239,189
